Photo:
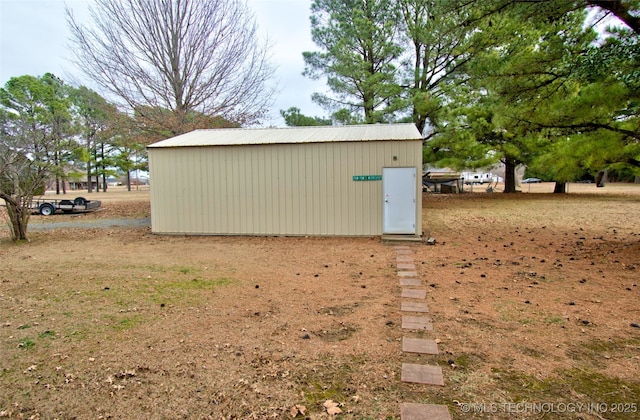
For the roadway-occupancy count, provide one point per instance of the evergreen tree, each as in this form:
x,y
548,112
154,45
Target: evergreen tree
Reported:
x,y
94,115
359,52
512,87
34,116
293,118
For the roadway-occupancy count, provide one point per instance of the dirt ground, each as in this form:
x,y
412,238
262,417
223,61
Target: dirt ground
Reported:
x,y
534,297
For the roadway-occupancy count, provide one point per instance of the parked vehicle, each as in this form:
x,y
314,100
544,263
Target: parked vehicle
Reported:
x,y
48,207
477,177
531,181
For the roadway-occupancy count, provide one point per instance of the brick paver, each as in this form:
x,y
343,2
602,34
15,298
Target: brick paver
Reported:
x,y
414,293
414,307
419,345
406,266
422,374
406,281
407,274
404,252
411,411
416,323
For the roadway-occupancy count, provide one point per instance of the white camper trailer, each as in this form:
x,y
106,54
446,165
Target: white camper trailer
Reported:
x,y
477,177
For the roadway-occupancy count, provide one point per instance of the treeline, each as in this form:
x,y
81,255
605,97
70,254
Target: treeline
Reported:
x,y
73,133
551,85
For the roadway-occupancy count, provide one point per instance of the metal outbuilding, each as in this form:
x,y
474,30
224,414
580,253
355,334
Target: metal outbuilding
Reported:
x,y
360,180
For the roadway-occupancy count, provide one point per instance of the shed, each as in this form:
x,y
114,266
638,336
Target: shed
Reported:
x,y
361,180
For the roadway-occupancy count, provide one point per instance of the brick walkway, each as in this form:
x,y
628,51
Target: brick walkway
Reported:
x,y
413,310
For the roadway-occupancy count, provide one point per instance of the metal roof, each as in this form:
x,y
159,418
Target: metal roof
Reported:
x,y
320,134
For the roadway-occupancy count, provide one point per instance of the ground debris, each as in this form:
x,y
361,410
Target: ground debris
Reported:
x,y
298,409
500,347
332,407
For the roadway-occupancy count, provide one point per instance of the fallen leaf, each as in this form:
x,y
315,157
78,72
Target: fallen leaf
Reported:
x,y
332,407
298,409
333,411
330,403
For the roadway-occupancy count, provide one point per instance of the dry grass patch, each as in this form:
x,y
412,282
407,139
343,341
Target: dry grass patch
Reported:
x,y
532,297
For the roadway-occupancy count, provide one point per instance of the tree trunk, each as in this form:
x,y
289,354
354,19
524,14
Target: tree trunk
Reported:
x,y
59,174
560,188
89,167
509,176
20,230
104,173
18,217
97,168
89,184
128,180
601,178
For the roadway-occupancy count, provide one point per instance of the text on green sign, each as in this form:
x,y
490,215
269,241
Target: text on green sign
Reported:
x,y
367,177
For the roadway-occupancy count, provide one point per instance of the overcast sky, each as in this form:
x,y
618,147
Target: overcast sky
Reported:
x,y
34,39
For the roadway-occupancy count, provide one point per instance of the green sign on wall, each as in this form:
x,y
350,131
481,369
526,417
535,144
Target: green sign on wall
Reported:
x,y
367,177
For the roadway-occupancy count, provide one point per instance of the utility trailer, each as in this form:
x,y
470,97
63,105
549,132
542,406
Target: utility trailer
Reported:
x,y
48,207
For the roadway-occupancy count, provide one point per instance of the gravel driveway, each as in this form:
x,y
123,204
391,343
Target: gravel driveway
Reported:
x,y
92,224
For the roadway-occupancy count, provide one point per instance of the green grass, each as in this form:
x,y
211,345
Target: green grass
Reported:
x,y
596,349
599,387
571,385
26,344
330,381
181,290
128,323
143,291
185,270
466,361
47,334
124,304
509,310
555,320
77,334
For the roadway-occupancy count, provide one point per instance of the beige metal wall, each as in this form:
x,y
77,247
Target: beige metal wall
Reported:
x,y
281,189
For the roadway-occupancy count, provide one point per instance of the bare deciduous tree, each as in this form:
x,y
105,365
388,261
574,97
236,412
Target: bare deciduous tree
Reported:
x,y
196,58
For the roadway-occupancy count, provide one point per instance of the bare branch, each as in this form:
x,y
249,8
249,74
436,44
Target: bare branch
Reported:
x,y
182,55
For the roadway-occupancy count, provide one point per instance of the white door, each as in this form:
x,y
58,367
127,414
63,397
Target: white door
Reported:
x,y
399,195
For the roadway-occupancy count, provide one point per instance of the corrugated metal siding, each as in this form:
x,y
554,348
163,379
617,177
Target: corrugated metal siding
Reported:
x,y
278,189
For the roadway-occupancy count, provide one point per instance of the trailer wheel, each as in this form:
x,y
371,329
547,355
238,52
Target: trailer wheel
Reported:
x,y
47,209
80,201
